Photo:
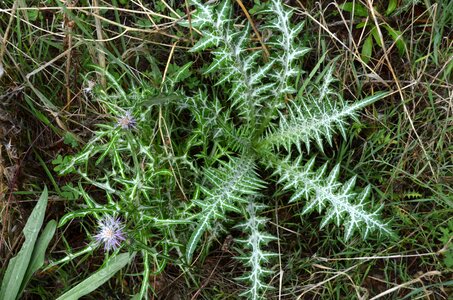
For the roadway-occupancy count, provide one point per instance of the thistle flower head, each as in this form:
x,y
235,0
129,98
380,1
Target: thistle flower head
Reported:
x,y
110,233
127,121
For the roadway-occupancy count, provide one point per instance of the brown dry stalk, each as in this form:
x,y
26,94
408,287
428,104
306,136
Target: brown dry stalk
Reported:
x,y
258,35
166,140
189,18
101,54
69,24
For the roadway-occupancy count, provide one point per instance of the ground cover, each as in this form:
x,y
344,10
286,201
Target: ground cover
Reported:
x,y
173,138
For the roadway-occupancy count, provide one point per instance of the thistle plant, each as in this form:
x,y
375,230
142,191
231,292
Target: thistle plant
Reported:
x,y
256,92
173,195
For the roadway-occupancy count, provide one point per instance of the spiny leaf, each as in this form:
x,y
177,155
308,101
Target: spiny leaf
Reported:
x,y
226,188
320,192
255,257
314,120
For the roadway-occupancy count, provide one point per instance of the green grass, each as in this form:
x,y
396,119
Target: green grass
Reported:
x,y
403,148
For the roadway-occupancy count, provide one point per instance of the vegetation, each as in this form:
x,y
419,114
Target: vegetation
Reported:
x,y
226,149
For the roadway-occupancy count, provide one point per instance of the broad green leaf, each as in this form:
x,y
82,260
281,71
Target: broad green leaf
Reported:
x,y
398,38
391,7
375,34
37,258
367,49
90,284
357,9
18,265
362,24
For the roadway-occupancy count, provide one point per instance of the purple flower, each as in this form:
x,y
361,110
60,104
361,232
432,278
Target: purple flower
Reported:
x,y
127,121
110,233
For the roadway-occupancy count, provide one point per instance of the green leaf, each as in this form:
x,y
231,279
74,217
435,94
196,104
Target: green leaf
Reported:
x,y
398,38
204,42
37,258
362,24
69,192
18,265
160,100
391,7
32,14
113,81
357,9
367,49
90,284
70,139
230,183
82,213
448,260
195,238
144,23
182,73
376,37
312,120
448,69
322,191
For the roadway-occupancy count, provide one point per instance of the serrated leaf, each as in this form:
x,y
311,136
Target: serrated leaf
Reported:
x,y
304,123
342,203
229,186
182,73
204,42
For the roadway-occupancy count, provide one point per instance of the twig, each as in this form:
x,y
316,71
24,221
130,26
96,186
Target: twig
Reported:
x,y
69,24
